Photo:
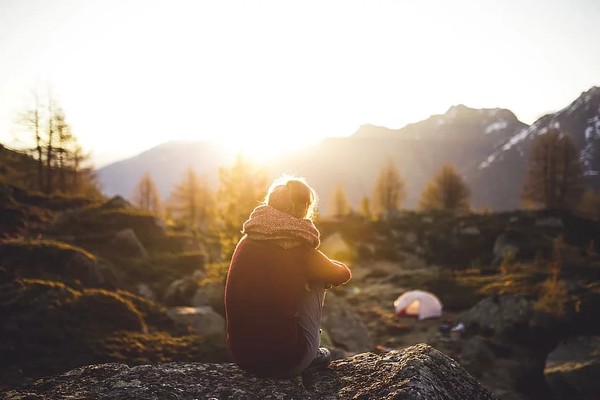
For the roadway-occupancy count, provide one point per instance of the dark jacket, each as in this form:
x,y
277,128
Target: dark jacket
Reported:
x,y
264,286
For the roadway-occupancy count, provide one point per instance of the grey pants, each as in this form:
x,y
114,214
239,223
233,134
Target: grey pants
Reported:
x,y
309,317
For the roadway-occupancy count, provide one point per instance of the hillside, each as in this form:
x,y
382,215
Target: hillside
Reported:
x,y
15,166
489,147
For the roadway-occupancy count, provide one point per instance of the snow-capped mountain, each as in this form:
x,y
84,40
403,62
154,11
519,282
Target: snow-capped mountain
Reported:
x,y
489,147
580,120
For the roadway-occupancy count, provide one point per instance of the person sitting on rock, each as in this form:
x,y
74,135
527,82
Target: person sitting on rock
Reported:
x,y
276,285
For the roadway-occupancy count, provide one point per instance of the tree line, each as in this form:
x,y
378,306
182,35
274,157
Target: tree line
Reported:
x,y
194,207
554,180
447,191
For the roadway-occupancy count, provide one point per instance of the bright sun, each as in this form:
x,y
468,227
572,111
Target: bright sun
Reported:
x,y
261,148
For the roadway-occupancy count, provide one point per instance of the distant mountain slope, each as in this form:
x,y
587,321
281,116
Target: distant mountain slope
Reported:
x,y
489,148
501,174
166,164
462,136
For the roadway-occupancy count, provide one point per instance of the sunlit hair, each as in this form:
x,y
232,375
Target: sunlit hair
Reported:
x,y
293,196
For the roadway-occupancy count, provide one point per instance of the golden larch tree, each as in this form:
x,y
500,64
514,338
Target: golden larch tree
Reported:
x,y
340,206
243,186
145,195
191,202
389,192
447,191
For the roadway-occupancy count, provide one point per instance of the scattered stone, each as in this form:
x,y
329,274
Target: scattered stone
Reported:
x,y
128,243
411,238
550,222
212,295
504,246
470,230
144,290
117,202
203,321
181,291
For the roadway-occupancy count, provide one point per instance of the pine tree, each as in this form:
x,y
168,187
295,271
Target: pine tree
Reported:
x,y
339,202
554,175
145,195
447,191
388,193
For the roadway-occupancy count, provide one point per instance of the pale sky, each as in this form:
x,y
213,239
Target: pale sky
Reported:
x,y
273,74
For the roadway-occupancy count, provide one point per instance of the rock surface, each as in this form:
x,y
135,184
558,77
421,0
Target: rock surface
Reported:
x,y
417,372
344,326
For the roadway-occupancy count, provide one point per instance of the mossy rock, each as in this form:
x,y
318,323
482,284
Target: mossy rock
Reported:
x,y
102,311
49,328
57,308
50,260
154,314
100,222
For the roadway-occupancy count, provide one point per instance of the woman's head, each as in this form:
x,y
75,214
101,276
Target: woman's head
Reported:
x,y
293,196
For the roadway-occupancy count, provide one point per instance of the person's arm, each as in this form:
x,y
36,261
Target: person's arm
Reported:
x,y
330,272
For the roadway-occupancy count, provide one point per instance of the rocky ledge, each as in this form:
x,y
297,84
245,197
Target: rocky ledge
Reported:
x,y
417,372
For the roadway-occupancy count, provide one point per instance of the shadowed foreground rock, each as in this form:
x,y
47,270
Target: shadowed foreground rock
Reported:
x,y
418,372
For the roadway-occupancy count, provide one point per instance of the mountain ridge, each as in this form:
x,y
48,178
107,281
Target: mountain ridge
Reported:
x,y
488,147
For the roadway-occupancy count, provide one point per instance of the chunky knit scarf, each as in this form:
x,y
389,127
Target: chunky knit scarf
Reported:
x,y
269,224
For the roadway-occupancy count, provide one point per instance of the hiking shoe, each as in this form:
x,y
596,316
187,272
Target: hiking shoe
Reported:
x,y
321,360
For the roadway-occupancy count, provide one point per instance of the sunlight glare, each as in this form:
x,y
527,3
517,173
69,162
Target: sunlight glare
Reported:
x,y
262,147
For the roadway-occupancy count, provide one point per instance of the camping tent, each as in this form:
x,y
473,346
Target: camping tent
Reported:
x,y
420,303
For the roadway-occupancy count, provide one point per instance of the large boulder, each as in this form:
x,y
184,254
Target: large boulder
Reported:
x,y
418,372
210,294
505,246
45,259
573,368
511,318
344,326
128,243
203,321
181,291
507,342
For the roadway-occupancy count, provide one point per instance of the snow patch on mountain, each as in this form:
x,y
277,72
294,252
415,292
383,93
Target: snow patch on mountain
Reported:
x,y
553,121
592,134
496,126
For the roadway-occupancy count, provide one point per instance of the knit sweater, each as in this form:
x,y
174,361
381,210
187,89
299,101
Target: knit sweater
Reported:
x,y
264,286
